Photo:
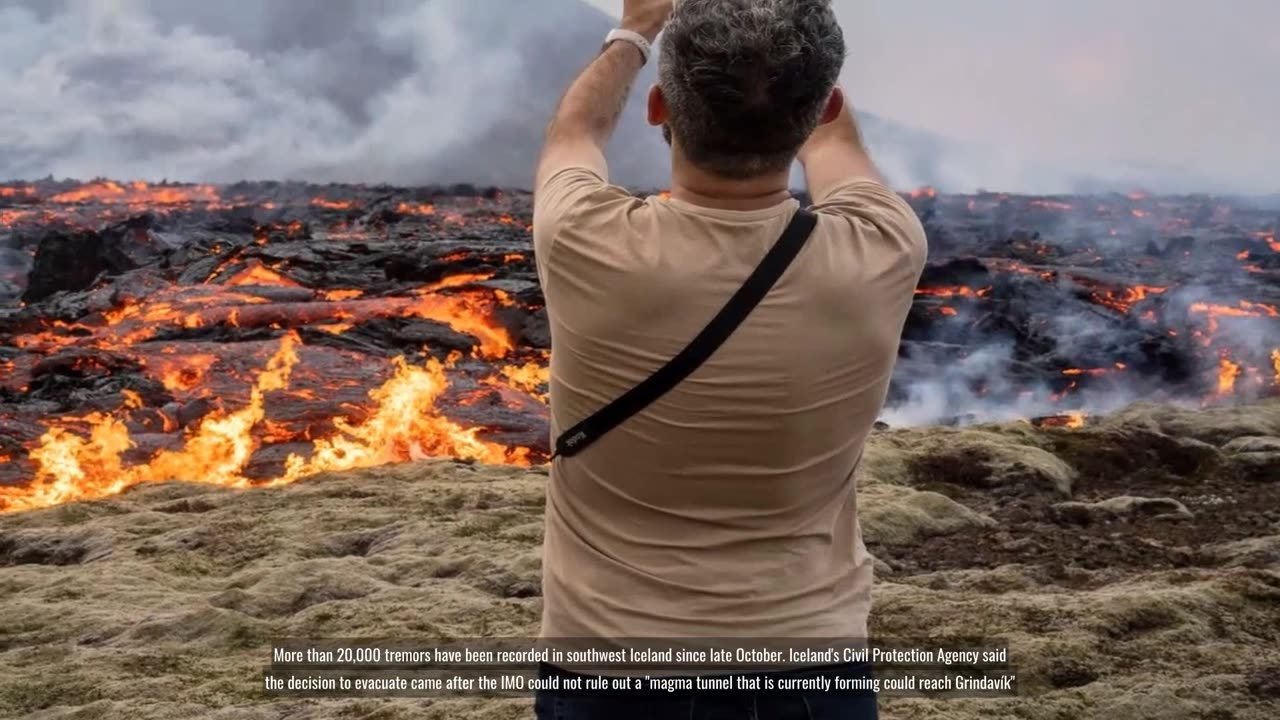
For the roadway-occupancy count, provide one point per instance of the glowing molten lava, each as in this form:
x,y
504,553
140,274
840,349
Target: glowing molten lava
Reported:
x,y
1087,371
528,378
193,406
332,204
138,193
1125,299
416,209
1069,420
1271,241
404,425
1228,372
190,380
957,291
258,274
69,467
1243,309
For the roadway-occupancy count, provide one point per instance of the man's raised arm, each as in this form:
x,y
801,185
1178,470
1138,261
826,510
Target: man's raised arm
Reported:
x,y
588,113
834,153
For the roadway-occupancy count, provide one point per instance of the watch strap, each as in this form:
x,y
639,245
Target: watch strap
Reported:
x,y
633,37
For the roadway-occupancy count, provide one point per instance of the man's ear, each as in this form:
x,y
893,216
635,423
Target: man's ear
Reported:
x,y
657,106
835,103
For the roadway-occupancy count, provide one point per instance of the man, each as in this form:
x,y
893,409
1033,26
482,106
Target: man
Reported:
x,y
725,508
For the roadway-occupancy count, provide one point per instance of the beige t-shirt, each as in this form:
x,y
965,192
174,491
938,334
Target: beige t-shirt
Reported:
x,y
727,507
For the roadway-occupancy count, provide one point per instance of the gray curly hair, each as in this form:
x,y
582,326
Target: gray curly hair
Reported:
x,y
746,81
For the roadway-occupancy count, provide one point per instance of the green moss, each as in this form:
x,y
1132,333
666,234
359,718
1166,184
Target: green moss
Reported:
x,y
49,691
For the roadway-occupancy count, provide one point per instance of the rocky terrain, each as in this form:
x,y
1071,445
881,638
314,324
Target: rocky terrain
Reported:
x,y
1133,564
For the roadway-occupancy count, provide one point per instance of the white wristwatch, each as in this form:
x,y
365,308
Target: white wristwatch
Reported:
x,y
632,37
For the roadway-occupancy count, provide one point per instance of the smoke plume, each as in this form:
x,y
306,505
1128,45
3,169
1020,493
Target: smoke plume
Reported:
x,y
400,91
1030,97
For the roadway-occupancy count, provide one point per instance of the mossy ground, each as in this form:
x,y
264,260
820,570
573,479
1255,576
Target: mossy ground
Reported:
x,y
163,602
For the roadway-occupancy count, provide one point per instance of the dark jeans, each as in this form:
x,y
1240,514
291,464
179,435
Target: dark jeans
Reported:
x,y
713,704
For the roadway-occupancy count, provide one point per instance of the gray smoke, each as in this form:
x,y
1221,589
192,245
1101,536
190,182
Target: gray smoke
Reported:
x,y
400,91
1171,94
984,94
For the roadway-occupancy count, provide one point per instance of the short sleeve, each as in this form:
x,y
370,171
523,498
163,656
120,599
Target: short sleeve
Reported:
x,y
558,198
869,205
567,200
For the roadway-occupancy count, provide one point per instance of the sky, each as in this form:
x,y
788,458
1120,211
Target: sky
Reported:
x,y
1186,85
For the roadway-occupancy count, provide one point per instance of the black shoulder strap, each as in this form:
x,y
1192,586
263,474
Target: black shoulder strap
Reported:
x,y
761,280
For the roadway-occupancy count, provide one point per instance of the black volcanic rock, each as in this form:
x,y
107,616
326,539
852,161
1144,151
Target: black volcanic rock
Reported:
x,y
73,260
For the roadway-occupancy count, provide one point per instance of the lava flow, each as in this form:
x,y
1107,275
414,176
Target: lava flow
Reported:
x,y
240,342
254,334
1052,308
404,424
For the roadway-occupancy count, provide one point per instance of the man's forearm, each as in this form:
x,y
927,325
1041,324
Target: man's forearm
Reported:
x,y
843,130
835,153
593,103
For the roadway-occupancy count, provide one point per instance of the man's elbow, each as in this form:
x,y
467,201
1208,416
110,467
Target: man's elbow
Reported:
x,y
571,129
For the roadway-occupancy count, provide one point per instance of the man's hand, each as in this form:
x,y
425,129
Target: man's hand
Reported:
x,y
834,152
646,17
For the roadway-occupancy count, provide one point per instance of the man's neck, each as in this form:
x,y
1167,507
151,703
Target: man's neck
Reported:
x,y
691,185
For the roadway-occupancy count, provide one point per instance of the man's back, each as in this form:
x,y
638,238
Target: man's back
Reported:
x,y
727,507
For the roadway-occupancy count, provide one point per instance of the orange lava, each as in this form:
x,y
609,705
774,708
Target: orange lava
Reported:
x,y
332,204
137,193
1228,373
258,274
404,425
1069,420
93,455
88,456
69,467
1017,267
528,378
181,374
1089,371
1123,301
956,291
339,295
1242,309
416,209
9,218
